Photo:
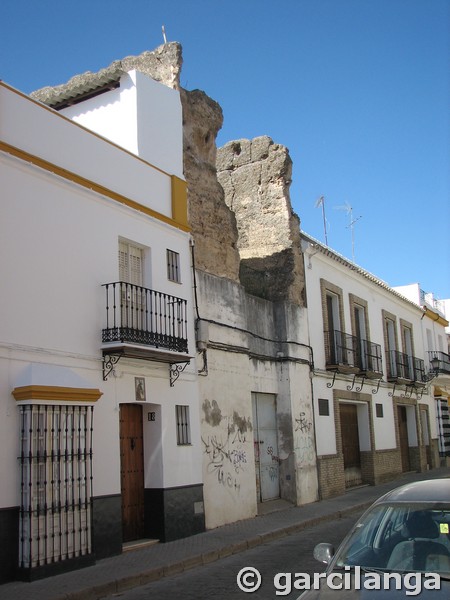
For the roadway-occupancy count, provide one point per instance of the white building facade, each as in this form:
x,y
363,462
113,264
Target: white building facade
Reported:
x,y
437,359
374,414
99,401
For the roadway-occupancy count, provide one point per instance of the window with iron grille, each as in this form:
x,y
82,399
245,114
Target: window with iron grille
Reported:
x,y
324,407
183,425
173,266
56,483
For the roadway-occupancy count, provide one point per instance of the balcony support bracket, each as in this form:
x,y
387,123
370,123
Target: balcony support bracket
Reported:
x,y
175,371
360,387
375,391
350,387
420,392
330,385
109,362
408,391
392,394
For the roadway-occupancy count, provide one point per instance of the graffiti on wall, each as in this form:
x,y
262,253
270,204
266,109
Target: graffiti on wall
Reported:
x,y
225,451
302,424
304,436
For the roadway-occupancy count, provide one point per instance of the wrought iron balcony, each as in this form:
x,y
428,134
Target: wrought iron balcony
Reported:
x,y
439,363
403,368
370,361
399,367
419,375
142,317
341,352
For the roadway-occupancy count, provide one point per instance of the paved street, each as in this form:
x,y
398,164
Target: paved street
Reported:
x,y
272,542
291,554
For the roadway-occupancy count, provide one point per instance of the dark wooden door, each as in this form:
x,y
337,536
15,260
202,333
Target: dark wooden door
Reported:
x,y
403,437
350,444
132,471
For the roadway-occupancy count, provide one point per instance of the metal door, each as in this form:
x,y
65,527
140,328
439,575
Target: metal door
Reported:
x,y
350,444
266,447
132,471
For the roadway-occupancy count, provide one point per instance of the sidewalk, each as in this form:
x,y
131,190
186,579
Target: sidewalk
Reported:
x,y
138,567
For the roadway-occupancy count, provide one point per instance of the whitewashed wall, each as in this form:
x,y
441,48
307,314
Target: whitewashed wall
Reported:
x,y
227,426
58,245
142,115
320,266
47,134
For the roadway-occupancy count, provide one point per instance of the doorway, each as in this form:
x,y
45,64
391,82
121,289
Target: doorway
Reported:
x,y
403,438
265,437
350,444
426,436
132,471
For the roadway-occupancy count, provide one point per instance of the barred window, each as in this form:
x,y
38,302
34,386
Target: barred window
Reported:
x,y
183,425
324,407
173,266
56,483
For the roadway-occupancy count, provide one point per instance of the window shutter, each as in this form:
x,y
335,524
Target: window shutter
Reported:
x,y
130,264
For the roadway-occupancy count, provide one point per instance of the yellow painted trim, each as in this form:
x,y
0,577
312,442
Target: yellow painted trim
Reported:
x,y
90,185
179,201
56,393
436,317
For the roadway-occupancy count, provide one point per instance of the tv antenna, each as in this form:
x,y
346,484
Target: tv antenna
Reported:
x,y
164,34
321,202
349,210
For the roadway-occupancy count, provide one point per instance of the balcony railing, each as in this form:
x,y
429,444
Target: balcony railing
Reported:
x,y
439,362
137,315
402,367
341,350
399,366
419,375
370,361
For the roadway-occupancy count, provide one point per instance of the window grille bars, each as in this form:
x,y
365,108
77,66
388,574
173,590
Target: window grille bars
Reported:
x,y
183,426
56,483
173,266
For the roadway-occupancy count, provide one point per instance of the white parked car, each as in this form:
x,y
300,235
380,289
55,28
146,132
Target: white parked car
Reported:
x,y
399,548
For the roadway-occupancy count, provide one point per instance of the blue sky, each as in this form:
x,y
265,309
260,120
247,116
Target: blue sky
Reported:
x,y
358,90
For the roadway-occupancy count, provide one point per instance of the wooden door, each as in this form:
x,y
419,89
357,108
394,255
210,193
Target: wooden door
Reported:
x,y
132,471
403,437
350,444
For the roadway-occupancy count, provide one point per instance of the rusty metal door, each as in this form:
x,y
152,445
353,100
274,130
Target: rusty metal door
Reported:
x,y
403,438
350,444
132,471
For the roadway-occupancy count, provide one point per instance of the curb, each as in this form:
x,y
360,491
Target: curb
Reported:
x,y
149,576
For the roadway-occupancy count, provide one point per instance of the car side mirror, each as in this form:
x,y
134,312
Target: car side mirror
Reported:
x,y
324,553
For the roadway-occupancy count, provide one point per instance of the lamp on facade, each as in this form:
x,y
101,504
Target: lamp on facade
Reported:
x,y
434,362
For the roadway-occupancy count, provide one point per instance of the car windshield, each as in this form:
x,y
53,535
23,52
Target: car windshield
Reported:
x,y
400,538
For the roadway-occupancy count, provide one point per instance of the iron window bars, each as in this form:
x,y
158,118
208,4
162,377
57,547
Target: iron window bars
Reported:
x,y
56,484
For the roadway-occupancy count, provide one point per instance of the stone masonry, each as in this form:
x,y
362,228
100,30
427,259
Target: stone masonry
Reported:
x,y
213,224
256,175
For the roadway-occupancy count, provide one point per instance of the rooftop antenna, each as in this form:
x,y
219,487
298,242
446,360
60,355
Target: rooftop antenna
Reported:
x,y
164,34
349,210
321,202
